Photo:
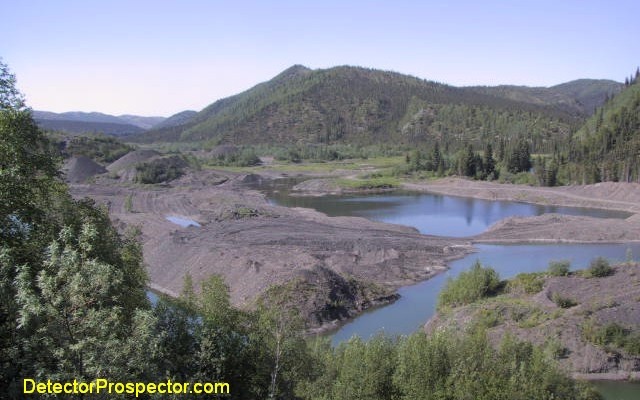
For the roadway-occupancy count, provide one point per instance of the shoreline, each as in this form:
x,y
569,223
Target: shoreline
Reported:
x,y
578,196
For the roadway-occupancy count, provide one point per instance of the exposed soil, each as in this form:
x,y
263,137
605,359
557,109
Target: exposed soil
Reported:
x,y
340,265
79,169
557,228
131,159
536,318
347,263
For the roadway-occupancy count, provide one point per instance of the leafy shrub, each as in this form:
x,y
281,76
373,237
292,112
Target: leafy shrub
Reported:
x,y
488,318
599,268
612,334
559,268
563,302
233,157
100,148
160,170
528,283
472,285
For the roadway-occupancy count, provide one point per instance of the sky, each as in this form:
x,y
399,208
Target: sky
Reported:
x,y
159,57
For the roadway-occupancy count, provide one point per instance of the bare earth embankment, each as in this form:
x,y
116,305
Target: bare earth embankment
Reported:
x,y
339,266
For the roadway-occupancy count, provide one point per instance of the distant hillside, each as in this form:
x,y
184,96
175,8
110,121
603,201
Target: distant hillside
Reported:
x,y
76,122
80,127
365,106
178,119
589,93
609,142
142,122
581,96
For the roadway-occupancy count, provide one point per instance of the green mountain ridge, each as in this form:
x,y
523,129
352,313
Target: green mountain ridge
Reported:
x,y
365,106
581,96
609,141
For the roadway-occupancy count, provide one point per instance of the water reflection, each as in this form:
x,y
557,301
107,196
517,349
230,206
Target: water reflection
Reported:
x,y
432,214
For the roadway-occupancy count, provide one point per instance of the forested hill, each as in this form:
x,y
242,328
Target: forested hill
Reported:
x,y
580,97
609,142
357,105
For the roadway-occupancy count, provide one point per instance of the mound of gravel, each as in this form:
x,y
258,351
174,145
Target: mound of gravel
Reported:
x,y
131,159
79,169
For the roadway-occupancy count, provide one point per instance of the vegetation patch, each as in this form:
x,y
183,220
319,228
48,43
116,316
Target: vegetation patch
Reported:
x,y
562,301
559,268
371,183
100,148
598,268
612,335
160,170
528,283
470,286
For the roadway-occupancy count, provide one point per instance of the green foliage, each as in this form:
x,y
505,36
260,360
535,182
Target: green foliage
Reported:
x,y
10,97
103,149
128,203
371,183
237,158
519,159
443,365
612,334
528,283
80,309
563,301
598,268
559,268
362,107
160,170
470,286
607,146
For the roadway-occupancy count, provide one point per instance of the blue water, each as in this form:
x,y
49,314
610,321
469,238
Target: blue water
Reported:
x,y
432,214
183,222
418,302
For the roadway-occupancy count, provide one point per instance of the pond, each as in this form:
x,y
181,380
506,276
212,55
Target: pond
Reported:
x,y
431,214
182,221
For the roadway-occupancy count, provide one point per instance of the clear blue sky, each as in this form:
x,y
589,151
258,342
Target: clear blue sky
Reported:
x,y
161,57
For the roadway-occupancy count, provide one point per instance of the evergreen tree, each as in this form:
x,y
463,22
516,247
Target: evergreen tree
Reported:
x,y
489,163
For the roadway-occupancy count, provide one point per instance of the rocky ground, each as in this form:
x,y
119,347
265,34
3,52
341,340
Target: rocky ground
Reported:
x,y
344,264
537,318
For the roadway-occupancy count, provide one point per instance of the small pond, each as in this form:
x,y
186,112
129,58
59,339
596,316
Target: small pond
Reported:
x,y
182,221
